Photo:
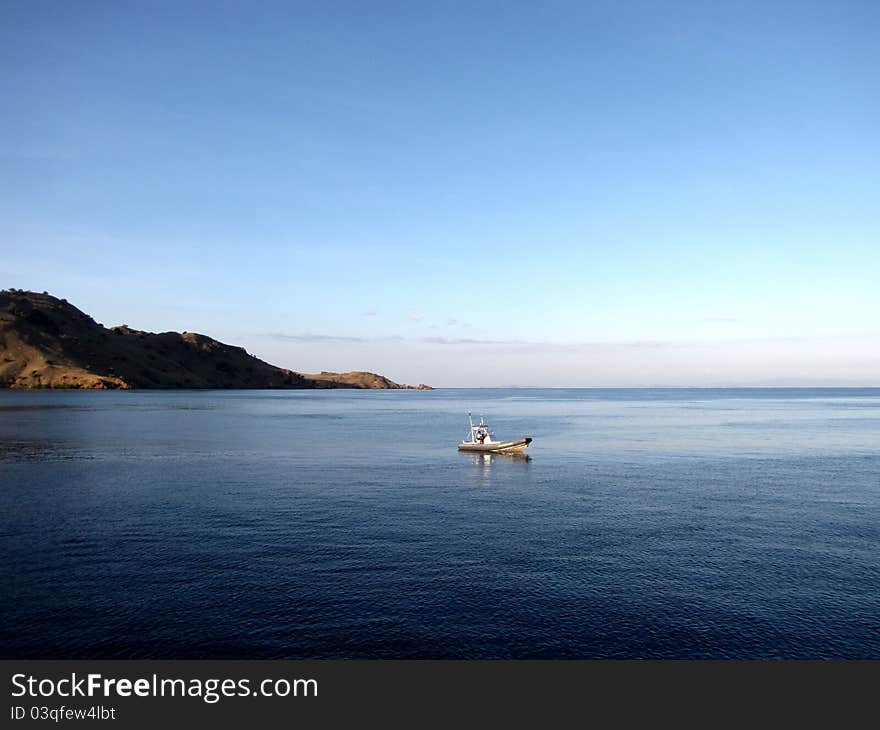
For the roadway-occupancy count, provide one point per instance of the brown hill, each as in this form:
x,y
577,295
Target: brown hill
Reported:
x,y
360,379
46,342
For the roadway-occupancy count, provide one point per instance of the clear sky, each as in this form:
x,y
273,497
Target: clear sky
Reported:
x,y
464,194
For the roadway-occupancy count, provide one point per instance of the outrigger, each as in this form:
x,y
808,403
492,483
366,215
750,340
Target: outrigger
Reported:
x,y
480,441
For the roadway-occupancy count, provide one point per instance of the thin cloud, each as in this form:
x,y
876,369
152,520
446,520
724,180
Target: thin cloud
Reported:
x,y
723,320
472,341
451,322
312,337
568,346
631,345
370,313
417,317
634,344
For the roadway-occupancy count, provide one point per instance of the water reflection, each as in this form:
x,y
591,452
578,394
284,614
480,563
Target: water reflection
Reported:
x,y
486,459
491,466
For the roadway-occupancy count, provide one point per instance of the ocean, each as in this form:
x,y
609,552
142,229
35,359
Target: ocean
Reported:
x,y
667,523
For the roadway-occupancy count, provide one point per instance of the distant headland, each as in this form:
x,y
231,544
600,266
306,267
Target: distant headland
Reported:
x,y
46,342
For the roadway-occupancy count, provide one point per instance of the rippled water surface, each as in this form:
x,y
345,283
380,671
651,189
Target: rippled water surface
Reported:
x,y
267,524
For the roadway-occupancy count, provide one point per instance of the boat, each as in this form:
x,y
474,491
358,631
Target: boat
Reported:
x,y
480,440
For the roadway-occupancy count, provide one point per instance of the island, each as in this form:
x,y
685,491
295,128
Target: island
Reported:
x,y
46,342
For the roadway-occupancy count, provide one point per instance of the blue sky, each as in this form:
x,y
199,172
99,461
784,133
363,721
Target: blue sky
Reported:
x,y
458,193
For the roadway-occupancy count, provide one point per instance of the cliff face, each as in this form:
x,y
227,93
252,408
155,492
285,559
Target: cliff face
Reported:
x,y
46,342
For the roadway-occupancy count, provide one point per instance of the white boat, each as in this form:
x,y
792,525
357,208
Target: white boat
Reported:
x,y
480,440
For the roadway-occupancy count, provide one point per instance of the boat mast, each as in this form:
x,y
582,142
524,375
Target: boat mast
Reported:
x,y
471,420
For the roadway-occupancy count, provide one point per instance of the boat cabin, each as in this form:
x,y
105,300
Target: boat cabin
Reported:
x,y
479,433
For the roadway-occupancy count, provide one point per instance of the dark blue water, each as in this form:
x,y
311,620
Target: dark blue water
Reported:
x,y
648,523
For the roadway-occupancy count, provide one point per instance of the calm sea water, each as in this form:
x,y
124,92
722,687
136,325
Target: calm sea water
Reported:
x,y
648,523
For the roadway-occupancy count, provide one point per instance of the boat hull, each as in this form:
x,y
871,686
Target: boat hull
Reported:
x,y
496,447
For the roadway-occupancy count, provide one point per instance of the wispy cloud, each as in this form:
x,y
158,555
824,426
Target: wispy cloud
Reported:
x,y
370,313
417,317
312,337
723,320
472,341
451,322
626,345
568,346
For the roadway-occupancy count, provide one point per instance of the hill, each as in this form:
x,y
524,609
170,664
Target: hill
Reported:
x,y
46,342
